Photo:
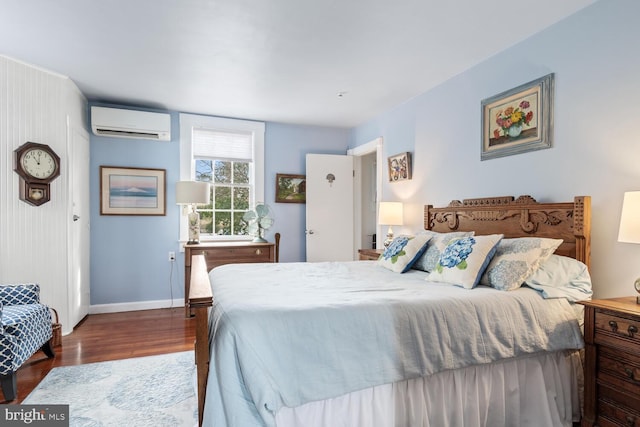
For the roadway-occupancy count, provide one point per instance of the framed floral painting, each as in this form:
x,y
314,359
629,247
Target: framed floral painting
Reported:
x,y
518,120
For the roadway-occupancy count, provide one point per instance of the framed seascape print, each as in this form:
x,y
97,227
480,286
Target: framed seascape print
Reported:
x,y
518,120
132,191
291,188
399,167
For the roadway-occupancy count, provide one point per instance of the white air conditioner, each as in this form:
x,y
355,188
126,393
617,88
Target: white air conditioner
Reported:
x,y
123,123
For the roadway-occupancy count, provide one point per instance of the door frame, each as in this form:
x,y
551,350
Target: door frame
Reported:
x,y
374,146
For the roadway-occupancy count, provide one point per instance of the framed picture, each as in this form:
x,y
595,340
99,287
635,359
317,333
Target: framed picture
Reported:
x,y
518,120
291,188
399,167
132,191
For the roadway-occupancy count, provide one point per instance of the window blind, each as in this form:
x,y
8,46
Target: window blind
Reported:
x,y
216,144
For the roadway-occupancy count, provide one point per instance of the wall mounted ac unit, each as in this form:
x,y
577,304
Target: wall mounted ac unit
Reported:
x,y
123,123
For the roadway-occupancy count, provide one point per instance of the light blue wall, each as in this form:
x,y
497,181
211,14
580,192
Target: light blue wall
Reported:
x,y
596,141
129,254
286,147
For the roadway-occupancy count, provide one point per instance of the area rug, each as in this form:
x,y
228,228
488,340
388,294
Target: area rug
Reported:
x,y
153,391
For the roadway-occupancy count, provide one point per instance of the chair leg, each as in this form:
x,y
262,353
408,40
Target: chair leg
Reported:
x,y
9,386
47,348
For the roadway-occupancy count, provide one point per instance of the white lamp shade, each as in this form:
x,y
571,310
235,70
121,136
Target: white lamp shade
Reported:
x,y
390,213
630,219
192,192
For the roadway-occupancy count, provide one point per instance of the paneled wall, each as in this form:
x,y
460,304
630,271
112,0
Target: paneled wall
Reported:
x,y
34,106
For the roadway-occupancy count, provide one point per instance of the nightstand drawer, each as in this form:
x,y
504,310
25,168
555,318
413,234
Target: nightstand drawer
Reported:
x,y
617,408
616,330
619,369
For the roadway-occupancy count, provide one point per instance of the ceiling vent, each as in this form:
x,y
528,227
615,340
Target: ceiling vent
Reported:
x,y
123,123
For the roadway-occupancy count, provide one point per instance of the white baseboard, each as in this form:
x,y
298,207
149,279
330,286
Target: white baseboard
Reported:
x,y
135,306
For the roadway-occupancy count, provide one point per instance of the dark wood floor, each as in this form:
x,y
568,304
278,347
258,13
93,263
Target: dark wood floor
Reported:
x,y
101,337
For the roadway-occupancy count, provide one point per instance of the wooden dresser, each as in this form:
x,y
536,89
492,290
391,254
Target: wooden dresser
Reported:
x,y
612,363
369,254
220,253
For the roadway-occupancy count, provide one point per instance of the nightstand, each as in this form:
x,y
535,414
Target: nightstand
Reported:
x,y
612,362
369,254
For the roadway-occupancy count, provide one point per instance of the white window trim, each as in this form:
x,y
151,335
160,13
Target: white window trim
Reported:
x,y
187,163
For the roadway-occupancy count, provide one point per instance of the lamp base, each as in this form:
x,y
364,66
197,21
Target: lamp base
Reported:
x,y
194,227
389,238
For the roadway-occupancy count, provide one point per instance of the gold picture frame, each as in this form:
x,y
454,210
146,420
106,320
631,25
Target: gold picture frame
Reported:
x,y
132,191
291,188
518,120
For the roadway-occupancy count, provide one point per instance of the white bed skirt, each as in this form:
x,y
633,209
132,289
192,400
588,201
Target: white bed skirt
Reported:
x,y
541,390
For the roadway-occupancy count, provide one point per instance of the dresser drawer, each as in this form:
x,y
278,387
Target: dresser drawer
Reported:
x,y
616,330
229,255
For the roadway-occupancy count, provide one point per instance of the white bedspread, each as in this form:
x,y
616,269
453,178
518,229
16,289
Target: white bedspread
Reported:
x,y
287,334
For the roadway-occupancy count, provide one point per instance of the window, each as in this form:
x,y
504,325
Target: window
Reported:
x,y
229,154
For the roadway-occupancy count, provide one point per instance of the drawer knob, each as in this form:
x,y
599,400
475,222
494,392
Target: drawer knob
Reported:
x,y
631,421
258,251
630,373
633,329
613,325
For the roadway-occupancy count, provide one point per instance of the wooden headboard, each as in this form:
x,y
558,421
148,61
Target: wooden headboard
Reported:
x,y
521,217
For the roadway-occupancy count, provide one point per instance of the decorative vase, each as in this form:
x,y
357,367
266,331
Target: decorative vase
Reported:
x,y
514,130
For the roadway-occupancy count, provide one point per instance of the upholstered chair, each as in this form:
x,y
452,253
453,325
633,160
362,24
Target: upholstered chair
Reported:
x,y
25,328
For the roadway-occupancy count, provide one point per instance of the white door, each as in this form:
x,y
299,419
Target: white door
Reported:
x,y
79,244
329,188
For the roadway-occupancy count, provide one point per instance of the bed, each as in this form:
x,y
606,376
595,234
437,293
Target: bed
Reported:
x,y
360,343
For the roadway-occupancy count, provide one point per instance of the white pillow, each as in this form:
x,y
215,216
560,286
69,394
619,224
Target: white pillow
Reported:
x,y
427,262
464,260
517,259
400,255
562,277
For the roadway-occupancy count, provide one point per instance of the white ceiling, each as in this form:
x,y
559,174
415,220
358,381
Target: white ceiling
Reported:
x,y
273,60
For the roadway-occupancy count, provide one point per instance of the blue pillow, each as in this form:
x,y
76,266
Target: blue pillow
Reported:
x,y
427,262
403,251
516,259
464,260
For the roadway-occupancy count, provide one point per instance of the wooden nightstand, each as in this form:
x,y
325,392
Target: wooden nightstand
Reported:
x,y
369,254
612,362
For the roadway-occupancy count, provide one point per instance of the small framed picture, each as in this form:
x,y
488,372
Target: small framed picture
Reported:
x,y
518,120
399,167
132,191
291,188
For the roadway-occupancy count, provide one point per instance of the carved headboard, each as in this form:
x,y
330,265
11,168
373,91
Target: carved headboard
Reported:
x,y
521,217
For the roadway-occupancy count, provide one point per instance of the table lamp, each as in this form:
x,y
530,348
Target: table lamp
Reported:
x,y
193,193
630,224
390,213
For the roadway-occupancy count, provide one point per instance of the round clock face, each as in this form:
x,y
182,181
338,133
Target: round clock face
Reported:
x,y
637,285
38,163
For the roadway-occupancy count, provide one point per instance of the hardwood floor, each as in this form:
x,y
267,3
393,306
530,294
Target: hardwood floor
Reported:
x,y
101,337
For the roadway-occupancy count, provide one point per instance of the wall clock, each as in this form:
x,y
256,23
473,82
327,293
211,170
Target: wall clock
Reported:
x,y
37,165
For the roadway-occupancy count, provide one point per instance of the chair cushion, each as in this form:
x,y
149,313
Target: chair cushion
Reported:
x,y
25,328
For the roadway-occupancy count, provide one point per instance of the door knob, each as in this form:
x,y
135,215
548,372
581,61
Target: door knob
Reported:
x,y
310,231
76,217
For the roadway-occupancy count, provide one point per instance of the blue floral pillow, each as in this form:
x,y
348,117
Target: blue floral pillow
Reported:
x,y
400,255
517,259
464,260
427,262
